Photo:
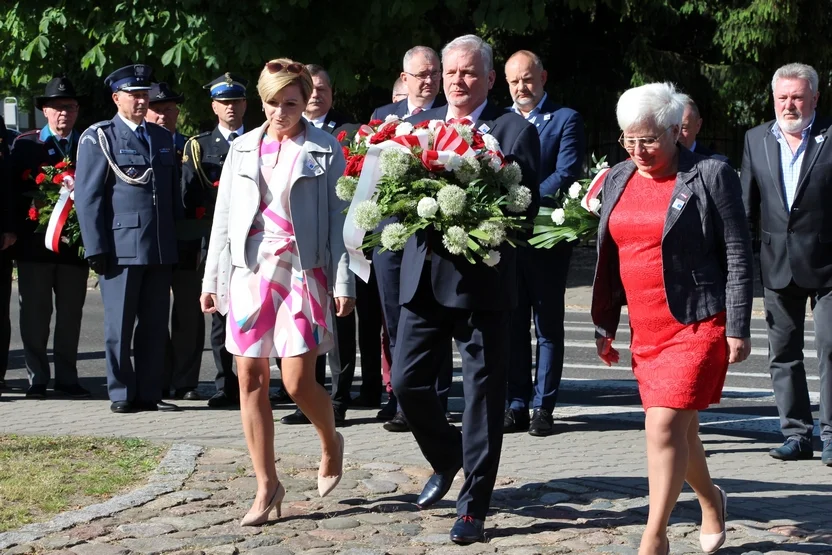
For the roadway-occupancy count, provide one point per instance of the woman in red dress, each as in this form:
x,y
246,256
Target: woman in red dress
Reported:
x,y
673,245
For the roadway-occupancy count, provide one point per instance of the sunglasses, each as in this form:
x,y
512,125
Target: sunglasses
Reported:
x,y
275,67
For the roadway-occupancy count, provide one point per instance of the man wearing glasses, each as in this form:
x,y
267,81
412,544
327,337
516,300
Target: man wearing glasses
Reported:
x,y
421,75
42,272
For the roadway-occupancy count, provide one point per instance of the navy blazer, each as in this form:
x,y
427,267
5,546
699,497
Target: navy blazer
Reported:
x,y
702,150
132,224
400,108
562,147
706,248
456,282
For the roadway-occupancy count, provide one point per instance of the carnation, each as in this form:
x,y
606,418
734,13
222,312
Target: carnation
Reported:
x,y
558,216
492,258
451,200
367,215
575,190
345,187
427,208
394,236
394,163
404,128
455,240
519,198
453,162
491,143
469,170
496,232
511,174
391,117
594,205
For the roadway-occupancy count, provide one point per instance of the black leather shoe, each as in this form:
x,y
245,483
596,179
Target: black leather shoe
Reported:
x,y
436,487
468,530
163,406
397,424
542,423
223,400
121,407
515,421
279,397
187,394
340,416
826,456
75,391
794,449
36,392
388,411
296,417
2,384
363,402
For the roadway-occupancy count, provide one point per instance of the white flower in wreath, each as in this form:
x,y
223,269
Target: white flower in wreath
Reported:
x,y
391,117
492,258
558,216
469,170
575,190
494,161
602,165
394,236
491,143
511,174
367,215
455,240
345,187
427,208
519,198
496,232
454,161
464,131
394,163
595,206
404,128
451,200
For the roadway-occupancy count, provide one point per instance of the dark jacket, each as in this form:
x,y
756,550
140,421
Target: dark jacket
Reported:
x,y
7,223
706,248
400,108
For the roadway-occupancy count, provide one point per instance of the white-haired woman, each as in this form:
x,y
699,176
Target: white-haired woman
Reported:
x,y
673,245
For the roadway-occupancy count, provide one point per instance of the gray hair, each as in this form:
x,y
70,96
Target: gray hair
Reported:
x,y
315,69
689,103
426,51
796,71
471,42
654,103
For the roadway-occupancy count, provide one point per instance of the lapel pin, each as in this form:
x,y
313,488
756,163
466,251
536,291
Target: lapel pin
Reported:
x,y
547,117
331,124
51,151
678,204
819,139
484,128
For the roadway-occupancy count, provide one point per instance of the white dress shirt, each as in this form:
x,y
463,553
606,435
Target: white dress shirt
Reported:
x,y
411,107
317,122
225,132
473,116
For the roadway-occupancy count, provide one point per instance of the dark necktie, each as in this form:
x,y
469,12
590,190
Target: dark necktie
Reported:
x,y
63,144
231,136
141,134
461,121
416,111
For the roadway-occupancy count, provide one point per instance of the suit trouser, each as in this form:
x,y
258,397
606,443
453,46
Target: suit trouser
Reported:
x,y
483,341
388,267
785,319
370,326
35,286
5,320
187,332
226,380
136,308
342,360
541,287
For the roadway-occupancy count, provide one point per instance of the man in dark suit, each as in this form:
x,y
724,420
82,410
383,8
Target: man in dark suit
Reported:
x,y
42,272
202,161
422,77
444,296
541,273
8,236
128,199
786,178
691,126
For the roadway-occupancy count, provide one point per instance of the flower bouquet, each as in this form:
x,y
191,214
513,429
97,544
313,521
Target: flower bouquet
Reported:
x,y
53,206
446,176
576,217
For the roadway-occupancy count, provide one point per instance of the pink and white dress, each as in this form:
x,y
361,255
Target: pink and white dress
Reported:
x,y
276,309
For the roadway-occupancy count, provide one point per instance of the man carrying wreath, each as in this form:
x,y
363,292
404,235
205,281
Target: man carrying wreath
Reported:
x,y
445,296
42,271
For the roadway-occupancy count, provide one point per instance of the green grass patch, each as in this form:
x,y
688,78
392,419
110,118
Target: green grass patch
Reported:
x,y
42,476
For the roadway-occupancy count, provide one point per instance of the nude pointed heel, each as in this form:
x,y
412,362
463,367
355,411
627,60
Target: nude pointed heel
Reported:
x,y
256,519
327,483
711,543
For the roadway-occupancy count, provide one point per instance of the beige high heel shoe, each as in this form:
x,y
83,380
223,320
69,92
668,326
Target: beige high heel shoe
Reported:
x,y
711,543
256,519
327,483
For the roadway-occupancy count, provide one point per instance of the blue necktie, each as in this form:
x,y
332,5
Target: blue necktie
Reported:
x,y
142,136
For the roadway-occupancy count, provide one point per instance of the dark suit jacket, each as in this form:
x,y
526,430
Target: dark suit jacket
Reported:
x,y
400,108
797,243
334,121
456,282
7,223
701,150
706,248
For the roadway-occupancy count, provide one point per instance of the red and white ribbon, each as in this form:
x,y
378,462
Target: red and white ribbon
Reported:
x,y
594,188
58,219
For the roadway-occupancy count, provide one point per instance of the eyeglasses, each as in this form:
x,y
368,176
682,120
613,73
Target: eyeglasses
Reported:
x,y
68,108
647,143
425,75
276,67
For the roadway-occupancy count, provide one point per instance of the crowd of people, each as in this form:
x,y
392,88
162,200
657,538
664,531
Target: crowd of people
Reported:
x,y
245,225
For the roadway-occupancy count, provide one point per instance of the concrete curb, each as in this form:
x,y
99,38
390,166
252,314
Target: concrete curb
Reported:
x,y
176,466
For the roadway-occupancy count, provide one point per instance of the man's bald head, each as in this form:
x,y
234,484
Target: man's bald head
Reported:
x,y
526,80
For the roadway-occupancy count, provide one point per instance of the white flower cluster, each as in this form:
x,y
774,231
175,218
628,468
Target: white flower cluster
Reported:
x,y
394,236
575,190
367,215
468,170
455,240
464,132
404,128
491,143
492,258
496,233
394,163
594,206
454,162
391,117
511,174
493,161
427,208
558,216
519,198
451,200
345,187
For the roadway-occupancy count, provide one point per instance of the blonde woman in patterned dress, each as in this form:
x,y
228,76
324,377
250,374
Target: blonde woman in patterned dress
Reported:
x,y
277,263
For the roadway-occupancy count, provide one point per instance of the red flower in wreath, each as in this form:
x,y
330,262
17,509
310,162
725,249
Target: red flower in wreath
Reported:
x,y
385,134
341,136
40,178
27,174
346,152
33,213
59,178
217,183
61,165
422,124
476,142
354,165
374,122
200,212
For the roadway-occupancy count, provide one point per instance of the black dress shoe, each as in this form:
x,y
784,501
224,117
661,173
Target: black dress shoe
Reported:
x,y
542,423
163,406
468,530
388,411
187,394
436,487
340,416
36,392
397,424
279,397
794,449
222,399
515,421
296,417
121,407
364,402
2,384
826,455
74,390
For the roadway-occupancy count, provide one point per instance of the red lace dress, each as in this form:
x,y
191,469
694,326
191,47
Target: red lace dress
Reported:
x,y
677,366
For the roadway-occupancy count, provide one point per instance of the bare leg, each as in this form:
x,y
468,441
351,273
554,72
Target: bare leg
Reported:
x,y
699,479
258,425
667,465
298,375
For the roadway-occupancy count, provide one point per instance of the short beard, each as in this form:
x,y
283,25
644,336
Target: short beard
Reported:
x,y
793,126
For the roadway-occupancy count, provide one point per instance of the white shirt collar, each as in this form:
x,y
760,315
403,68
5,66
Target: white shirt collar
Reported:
x,y
536,110
226,132
411,107
473,116
317,122
132,125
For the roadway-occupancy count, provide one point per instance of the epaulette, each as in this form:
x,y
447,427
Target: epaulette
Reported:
x,y
201,135
105,123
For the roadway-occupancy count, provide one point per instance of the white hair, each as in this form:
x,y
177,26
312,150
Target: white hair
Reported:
x,y
426,51
468,43
796,71
654,103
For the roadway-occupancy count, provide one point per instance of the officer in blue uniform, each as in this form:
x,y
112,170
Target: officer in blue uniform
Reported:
x,y
127,197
